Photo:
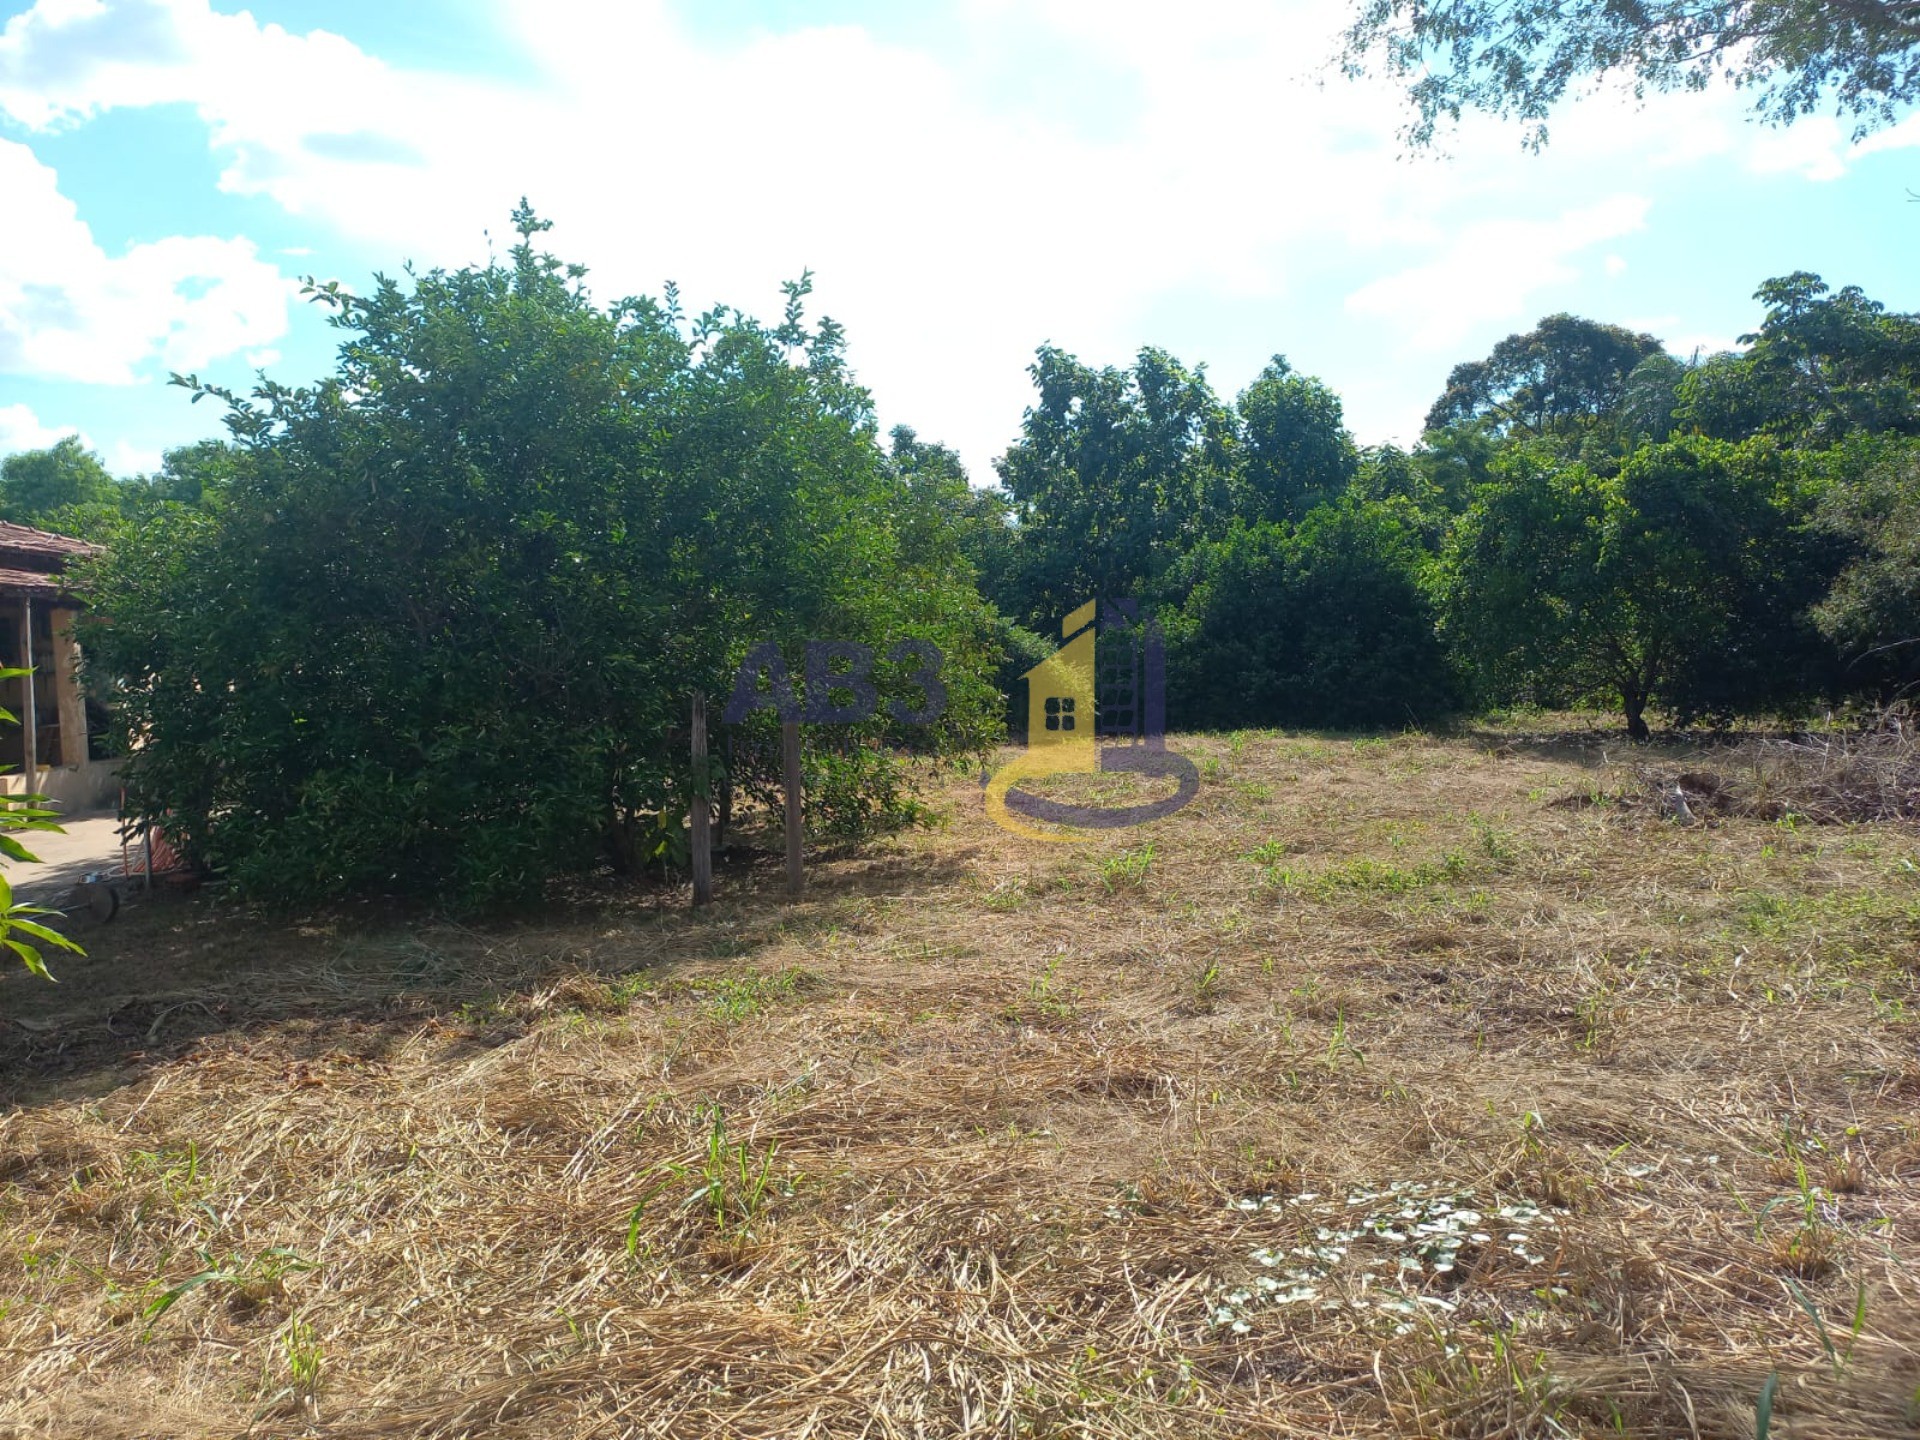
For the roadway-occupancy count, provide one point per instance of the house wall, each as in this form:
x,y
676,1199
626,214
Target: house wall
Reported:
x,y
64,773
94,785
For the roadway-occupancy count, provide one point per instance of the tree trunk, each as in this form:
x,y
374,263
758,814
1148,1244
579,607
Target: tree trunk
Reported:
x,y
1634,702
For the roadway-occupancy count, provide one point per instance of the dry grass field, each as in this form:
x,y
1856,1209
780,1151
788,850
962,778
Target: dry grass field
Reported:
x,y
1396,1087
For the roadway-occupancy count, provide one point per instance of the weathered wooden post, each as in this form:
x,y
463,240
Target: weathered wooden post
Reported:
x,y
790,766
701,816
30,712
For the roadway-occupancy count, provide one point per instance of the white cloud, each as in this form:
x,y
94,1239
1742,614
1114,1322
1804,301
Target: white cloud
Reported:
x,y
1820,147
1491,271
892,171
69,311
1905,135
20,429
957,210
124,458
1814,147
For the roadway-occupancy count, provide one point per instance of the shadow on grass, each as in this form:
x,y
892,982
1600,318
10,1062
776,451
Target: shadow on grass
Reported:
x,y
175,970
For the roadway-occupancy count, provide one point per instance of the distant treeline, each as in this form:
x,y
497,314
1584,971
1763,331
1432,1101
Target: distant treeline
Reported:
x,y
1588,519
431,625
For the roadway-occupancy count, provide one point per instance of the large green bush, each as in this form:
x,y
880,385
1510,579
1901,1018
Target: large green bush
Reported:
x,y
1323,624
438,635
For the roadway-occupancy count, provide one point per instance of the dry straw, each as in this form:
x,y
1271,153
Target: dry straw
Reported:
x,y
984,1137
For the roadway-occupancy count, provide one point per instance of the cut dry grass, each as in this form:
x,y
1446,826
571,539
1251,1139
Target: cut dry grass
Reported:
x,y
1382,1097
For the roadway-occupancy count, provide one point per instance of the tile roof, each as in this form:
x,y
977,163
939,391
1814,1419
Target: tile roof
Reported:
x,y
29,582
22,545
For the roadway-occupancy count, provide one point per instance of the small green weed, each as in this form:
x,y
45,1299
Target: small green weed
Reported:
x,y
1369,876
1048,996
1007,895
258,1276
1127,870
738,997
178,1171
1495,843
1340,1046
303,1356
736,1187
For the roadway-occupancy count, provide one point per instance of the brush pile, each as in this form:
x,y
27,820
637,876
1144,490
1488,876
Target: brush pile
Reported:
x,y
1844,780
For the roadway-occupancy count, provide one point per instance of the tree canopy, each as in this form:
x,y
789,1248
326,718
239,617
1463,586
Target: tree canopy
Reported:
x,y
36,485
1563,373
1824,364
1516,59
1327,623
1298,453
431,625
440,632
1675,580
1115,476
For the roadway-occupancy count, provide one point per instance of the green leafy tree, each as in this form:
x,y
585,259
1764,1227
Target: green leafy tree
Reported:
x,y
1822,366
947,518
1650,398
439,633
1516,59
1682,580
1296,451
66,488
1386,471
1558,379
1327,623
1409,484
1872,612
1458,460
38,484
1117,474
194,474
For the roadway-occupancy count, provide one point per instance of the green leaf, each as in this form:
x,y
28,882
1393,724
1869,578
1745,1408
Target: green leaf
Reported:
x,y
1763,1409
39,932
1826,1341
30,957
165,1301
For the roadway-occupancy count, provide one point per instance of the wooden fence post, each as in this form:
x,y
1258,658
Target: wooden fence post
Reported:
x,y
790,767
30,712
701,816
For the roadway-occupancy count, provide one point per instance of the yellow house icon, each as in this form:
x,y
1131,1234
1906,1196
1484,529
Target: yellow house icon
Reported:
x,y
1060,721
1060,693
1063,735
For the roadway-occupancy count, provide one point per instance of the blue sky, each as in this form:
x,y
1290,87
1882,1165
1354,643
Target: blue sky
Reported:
x,y
967,180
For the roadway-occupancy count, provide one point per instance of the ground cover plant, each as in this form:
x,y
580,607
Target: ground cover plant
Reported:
x,y
1398,1086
